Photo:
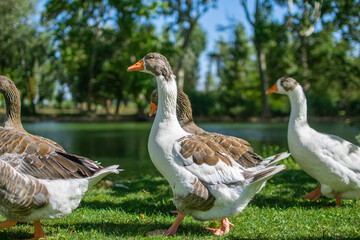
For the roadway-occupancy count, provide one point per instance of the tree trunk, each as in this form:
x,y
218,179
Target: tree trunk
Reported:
x,y
304,64
107,106
92,65
260,55
28,81
180,78
32,105
117,108
141,112
180,65
118,102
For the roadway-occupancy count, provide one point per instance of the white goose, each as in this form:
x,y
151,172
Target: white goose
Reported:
x,y
38,179
239,149
207,184
331,160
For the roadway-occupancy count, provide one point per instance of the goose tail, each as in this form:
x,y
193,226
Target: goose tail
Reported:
x,y
103,173
267,173
275,159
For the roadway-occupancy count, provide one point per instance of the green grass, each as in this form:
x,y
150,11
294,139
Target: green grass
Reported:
x,y
277,212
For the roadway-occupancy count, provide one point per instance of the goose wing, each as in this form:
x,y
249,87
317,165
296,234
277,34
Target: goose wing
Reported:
x,y
339,151
239,149
41,158
20,198
208,161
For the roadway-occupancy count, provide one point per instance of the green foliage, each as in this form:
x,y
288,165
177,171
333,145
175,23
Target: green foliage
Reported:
x,y
321,105
13,30
204,104
25,52
88,45
279,53
239,85
347,18
191,57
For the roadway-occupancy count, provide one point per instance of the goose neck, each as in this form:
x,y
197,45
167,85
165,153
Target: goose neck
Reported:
x,y
167,95
298,103
13,109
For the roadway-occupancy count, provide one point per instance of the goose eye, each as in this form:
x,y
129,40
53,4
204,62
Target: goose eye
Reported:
x,y
150,57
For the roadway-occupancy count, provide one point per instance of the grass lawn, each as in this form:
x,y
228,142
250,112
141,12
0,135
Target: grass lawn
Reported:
x,y
277,212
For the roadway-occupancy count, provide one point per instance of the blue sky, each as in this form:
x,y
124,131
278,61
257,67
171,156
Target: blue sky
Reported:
x,y
227,12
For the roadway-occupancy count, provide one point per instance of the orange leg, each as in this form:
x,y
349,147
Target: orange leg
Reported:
x,y
225,228
313,195
39,232
7,224
172,230
338,200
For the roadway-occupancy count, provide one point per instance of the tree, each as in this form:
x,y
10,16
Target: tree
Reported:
x,y
79,28
259,23
236,71
187,14
13,18
335,81
190,60
115,82
347,18
97,41
24,50
280,57
210,81
302,23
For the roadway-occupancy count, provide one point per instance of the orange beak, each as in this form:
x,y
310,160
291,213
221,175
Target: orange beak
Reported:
x,y
153,109
273,89
139,66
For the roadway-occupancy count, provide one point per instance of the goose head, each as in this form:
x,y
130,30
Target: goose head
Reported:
x,y
154,64
158,66
284,85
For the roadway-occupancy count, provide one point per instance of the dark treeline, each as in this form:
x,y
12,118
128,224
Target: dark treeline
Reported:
x,y
82,49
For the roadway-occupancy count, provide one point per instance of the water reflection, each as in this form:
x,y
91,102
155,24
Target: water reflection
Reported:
x,y
126,143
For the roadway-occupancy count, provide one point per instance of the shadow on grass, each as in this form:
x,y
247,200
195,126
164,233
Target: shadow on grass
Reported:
x,y
139,230
15,234
289,238
132,206
282,191
18,231
155,195
131,229
148,182
286,189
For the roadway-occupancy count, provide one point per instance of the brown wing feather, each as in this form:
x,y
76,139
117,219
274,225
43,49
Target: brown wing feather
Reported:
x,y
239,149
200,198
20,193
40,158
202,150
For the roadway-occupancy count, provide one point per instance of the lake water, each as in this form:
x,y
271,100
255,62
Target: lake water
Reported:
x,y
126,143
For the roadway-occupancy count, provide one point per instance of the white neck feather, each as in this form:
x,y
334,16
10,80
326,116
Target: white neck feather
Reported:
x,y
167,95
165,131
298,116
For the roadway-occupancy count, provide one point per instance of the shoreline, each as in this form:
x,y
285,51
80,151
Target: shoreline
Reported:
x,y
133,118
